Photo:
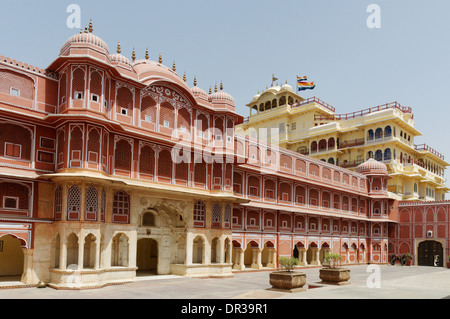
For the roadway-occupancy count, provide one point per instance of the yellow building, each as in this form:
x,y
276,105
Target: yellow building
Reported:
x,y
385,132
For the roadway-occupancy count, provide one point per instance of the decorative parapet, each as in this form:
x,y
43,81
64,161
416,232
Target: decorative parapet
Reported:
x,y
27,67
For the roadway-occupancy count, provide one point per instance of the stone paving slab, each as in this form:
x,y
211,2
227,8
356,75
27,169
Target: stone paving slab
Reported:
x,y
407,282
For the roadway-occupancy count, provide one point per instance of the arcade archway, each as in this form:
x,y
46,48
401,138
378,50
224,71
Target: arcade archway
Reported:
x,y
11,257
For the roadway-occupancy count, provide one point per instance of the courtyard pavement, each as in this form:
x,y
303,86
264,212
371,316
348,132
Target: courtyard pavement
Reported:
x,y
395,282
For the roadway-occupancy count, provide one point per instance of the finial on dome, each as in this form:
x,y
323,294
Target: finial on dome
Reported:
x,y
160,58
133,55
210,90
90,26
119,50
215,88
221,85
85,29
81,31
146,54
174,67
184,77
195,81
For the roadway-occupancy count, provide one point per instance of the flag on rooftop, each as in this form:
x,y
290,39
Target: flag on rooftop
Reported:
x,y
303,85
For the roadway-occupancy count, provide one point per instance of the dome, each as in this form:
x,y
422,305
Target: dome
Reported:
x,y
221,97
256,97
149,71
84,39
286,87
199,93
372,167
119,58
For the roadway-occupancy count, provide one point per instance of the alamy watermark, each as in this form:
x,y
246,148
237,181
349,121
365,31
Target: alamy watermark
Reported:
x,y
73,21
374,19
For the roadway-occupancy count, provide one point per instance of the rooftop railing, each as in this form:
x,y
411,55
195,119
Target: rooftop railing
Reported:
x,y
425,147
315,100
348,116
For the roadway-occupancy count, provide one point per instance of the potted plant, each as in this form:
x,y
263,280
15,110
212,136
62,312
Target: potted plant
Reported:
x,y
286,279
448,262
332,274
408,259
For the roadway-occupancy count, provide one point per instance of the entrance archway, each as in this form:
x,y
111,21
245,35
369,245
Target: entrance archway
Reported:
x,y
11,257
147,256
430,253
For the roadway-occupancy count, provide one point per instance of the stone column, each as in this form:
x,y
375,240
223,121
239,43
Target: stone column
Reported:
x,y
239,259
80,251
256,261
97,253
63,251
315,257
221,252
189,246
304,261
27,275
229,254
272,258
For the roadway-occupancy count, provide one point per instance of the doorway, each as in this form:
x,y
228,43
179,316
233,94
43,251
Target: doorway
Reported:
x,y
430,253
11,258
147,257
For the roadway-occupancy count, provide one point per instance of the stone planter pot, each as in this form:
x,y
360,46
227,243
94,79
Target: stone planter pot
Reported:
x,y
335,276
287,281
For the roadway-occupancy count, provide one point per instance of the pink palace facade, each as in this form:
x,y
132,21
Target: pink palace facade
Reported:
x,y
111,167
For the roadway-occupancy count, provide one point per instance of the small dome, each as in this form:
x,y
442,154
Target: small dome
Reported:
x,y
372,167
119,58
221,97
83,39
256,97
286,87
198,92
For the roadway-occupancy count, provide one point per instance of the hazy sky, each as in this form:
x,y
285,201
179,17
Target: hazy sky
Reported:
x,y
243,42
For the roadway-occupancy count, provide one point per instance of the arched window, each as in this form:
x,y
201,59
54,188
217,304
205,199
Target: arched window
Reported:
x,y
379,133
370,135
23,85
147,160
58,203
165,164
17,145
122,155
148,219
379,155
78,81
184,121
199,214
200,172
103,206
216,216
148,109
121,207
76,146
166,115
124,101
73,203
227,217
387,154
93,145
96,87
387,131
91,204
